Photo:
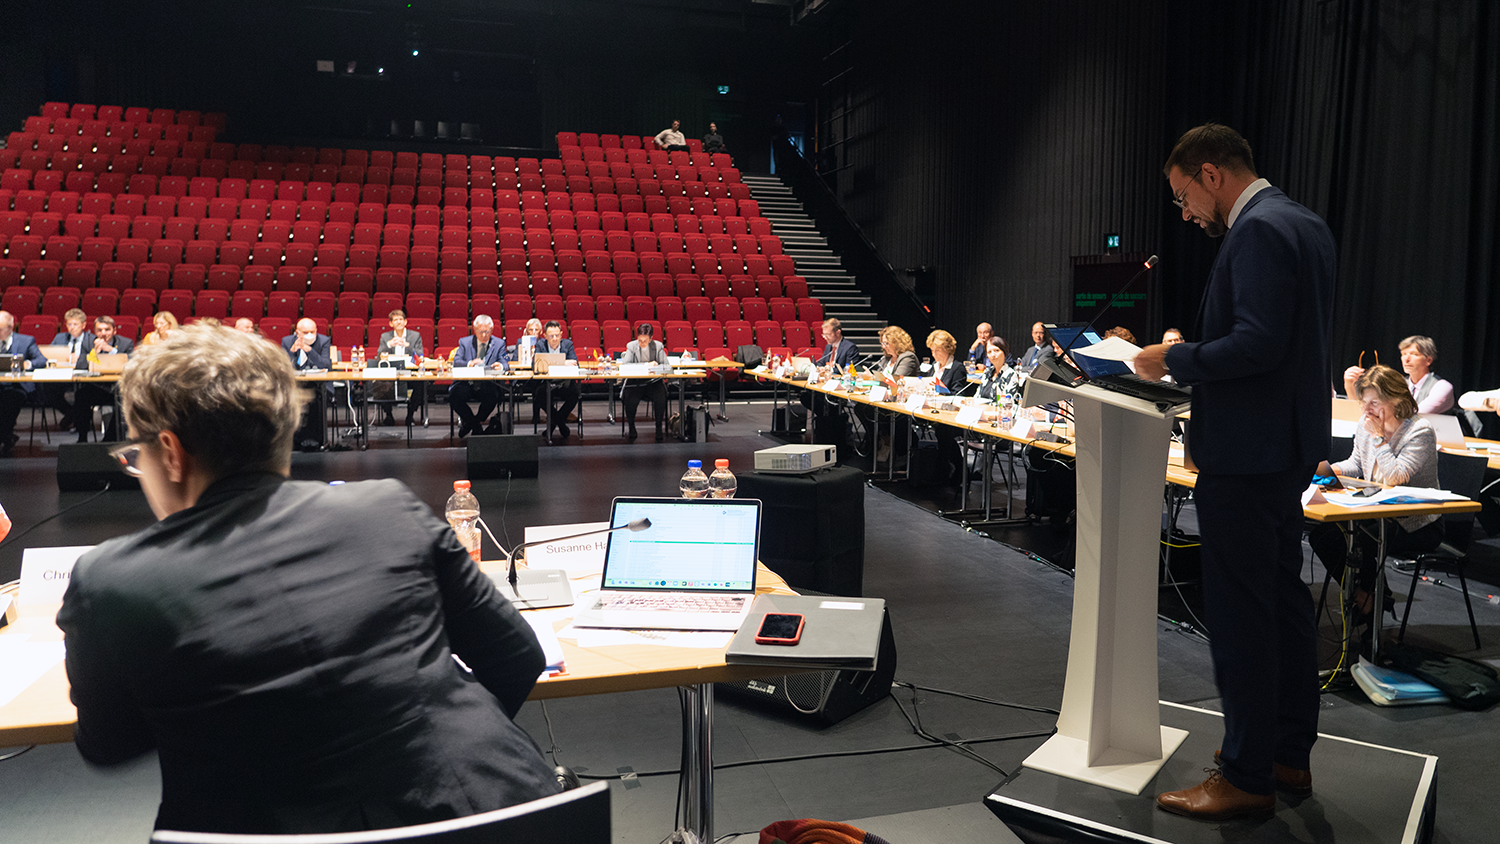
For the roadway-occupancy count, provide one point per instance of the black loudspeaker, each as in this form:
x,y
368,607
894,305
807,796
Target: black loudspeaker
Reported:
x,y
825,697
84,467
492,456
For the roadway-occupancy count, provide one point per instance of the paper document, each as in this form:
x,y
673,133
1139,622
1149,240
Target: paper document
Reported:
x,y
551,648
1110,348
1394,495
25,662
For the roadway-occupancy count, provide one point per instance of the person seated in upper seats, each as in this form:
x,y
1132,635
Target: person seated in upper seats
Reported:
x,y
645,349
1040,350
1431,393
979,349
287,648
1000,379
900,360
1171,337
836,348
246,325
308,349
672,139
713,141
481,348
1392,446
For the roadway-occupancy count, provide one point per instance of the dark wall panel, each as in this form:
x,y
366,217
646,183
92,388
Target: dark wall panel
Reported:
x,y
994,147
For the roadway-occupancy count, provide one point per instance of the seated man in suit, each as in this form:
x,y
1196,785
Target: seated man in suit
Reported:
x,y
482,348
1041,349
836,348
89,396
310,350
565,394
13,395
398,342
287,647
78,340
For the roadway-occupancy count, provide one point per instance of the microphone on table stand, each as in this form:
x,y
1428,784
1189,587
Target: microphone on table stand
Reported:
x,y
540,588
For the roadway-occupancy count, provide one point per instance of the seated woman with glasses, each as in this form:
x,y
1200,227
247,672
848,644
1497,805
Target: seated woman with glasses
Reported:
x,y
287,647
1392,445
899,361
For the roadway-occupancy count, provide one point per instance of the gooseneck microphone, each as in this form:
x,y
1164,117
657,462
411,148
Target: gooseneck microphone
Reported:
x,y
543,579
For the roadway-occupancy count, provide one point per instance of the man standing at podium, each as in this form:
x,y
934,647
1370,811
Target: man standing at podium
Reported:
x,y
1260,424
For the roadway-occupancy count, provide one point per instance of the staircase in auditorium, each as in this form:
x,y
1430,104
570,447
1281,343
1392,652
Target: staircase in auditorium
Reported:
x,y
827,280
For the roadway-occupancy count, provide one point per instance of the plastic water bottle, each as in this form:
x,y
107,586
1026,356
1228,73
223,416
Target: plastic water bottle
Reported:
x,y
722,483
694,483
463,514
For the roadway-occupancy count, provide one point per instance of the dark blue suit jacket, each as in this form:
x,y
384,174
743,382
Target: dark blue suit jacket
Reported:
x,y
121,345
468,351
564,348
318,357
843,354
25,345
1260,375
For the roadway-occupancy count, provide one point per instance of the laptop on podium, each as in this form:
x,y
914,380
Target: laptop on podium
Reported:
x,y
692,569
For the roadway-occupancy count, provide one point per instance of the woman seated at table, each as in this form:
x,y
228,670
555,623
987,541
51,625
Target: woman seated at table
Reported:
x,y
165,323
1431,393
899,360
1392,445
947,369
645,349
1000,379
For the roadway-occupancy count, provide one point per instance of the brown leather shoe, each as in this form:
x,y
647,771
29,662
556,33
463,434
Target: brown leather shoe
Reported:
x,y
1294,782
1217,799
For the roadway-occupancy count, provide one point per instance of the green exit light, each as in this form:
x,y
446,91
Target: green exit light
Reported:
x,y
1111,241
723,89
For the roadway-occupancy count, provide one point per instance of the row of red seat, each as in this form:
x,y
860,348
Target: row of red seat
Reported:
x,y
21,300
54,111
63,152
119,277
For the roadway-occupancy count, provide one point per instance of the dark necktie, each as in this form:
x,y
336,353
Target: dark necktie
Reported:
x,y
483,351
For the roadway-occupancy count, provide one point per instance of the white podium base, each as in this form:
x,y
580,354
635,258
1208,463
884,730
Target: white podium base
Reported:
x,y
1118,769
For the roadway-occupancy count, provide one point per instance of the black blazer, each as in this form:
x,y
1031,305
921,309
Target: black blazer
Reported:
x,y
287,647
1260,374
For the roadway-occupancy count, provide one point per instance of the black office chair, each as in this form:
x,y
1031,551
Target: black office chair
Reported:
x,y
1463,474
579,816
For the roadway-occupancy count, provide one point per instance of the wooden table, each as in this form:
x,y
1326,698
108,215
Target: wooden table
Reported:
x,y
43,714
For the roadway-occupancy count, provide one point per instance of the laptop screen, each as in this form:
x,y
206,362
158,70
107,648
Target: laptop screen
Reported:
x,y
693,545
1067,333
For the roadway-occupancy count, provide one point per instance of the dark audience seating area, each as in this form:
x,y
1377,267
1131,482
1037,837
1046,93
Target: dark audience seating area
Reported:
x,y
126,212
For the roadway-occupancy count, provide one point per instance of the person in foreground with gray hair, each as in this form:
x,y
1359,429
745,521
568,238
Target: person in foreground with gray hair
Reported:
x,y
288,647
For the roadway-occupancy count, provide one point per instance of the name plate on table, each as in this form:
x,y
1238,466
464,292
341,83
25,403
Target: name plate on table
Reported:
x,y
57,374
380,373
45,573
1024,427
877,393
468,372
584,555
631,369
915,403
564,371
969,414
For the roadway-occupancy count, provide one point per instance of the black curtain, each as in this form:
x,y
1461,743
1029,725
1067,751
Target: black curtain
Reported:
x,y
1380,115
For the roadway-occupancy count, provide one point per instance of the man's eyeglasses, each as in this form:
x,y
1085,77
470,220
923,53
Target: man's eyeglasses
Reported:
x,y
129,455
1180,199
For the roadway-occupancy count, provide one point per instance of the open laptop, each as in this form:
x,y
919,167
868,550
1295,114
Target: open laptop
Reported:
x,y
57,355
693,569
543,361
1113,375
1449,434
112,364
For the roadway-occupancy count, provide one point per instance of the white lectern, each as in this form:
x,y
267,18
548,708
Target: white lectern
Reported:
x,y
1109,731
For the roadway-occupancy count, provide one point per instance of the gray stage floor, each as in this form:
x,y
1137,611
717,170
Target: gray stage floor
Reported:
x,y
970,615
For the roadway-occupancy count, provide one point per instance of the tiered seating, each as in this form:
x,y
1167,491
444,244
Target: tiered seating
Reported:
x,y
609,232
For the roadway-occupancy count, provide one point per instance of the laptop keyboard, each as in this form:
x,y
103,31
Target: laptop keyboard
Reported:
x,y
1134,385
673,603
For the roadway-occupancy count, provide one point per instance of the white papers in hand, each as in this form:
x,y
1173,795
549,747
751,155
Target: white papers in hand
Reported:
x,y
1110,348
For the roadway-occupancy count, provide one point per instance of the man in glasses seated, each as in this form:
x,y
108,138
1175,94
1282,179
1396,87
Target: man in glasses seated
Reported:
x,y
287,647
